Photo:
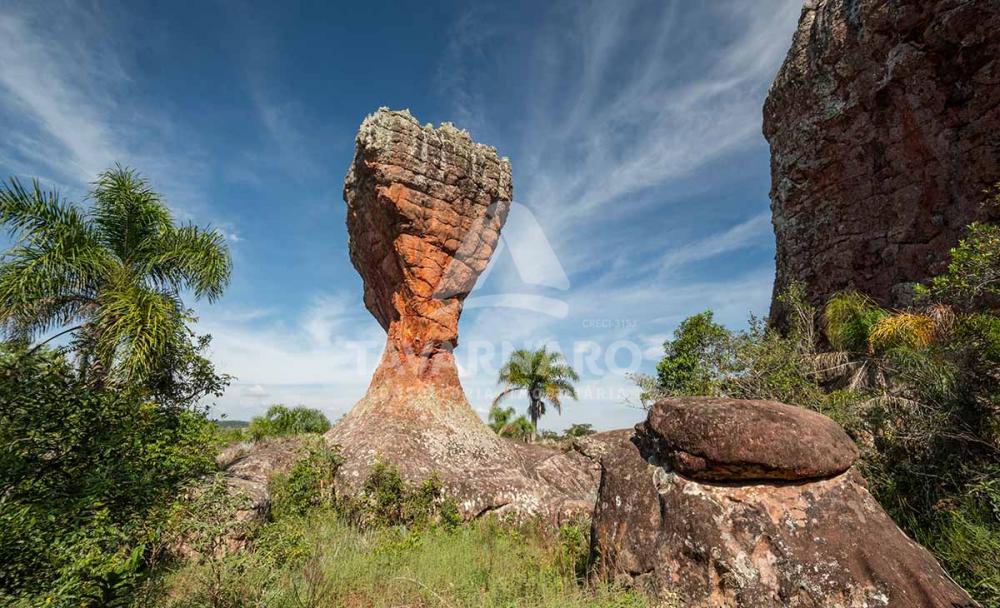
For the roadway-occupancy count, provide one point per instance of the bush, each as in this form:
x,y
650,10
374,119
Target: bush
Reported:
x,y
280,420
919,391
387,500
85,477
308,484
699,354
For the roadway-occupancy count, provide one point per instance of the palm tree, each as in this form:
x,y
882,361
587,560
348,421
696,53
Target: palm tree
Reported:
x,y
869,341
505,422
111,275
542,375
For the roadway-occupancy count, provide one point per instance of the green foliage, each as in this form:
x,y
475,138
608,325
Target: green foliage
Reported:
x,y
848,321
705,358
919,390
506,423
111,274
695,359
280,421
322,560
85,475
542,375
973,276
580,430
965,535
387,500
308,484
202,518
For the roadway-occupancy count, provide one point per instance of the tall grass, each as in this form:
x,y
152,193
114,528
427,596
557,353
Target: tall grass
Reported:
x,y
322,560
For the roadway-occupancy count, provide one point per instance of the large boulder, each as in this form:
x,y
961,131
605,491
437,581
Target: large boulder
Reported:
x,y
883,126
724,439
733,541
425,207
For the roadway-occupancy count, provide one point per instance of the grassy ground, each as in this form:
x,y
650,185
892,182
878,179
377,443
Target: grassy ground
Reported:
x,y
321,560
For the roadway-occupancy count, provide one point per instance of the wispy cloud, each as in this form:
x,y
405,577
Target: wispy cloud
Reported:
x,y
324,356
617,127
69,107
58,87
753,232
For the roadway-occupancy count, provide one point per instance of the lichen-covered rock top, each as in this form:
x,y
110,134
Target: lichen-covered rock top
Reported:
x,y
424,211
883,127
732,439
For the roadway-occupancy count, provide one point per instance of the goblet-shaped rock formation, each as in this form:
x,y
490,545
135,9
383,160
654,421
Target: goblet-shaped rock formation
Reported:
x,y
425,208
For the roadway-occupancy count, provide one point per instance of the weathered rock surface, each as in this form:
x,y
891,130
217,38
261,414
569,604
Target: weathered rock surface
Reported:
x,y
425,208
883,127
246,470
732,439
819,542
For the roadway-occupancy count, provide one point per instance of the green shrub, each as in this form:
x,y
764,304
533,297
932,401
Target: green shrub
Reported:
x,y
85,478
280,420
386,500
965,535
699,354
308,484
919,390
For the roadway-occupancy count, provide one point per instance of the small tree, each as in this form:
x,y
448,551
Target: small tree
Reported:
x,y
280,420
111,275
580,430
543,375
506,423
696,359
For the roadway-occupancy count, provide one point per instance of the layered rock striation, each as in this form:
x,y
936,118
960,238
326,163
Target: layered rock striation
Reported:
x,y
748,526
425,207
883,127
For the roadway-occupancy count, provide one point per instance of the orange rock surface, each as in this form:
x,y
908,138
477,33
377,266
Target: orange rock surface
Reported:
x,y
425,208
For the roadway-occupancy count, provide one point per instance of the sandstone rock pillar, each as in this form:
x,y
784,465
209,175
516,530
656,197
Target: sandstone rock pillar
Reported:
x,y
425,208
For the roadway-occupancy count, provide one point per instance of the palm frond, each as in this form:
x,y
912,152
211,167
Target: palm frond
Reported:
x,y
188,258
38,216
39,288
127,211
902,329
505,393
848,320
563,386
135,327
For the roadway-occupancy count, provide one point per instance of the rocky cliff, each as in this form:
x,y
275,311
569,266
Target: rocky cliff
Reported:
x,y
425,208
884,126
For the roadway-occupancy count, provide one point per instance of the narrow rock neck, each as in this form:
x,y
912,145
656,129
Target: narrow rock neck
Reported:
x,y
407,362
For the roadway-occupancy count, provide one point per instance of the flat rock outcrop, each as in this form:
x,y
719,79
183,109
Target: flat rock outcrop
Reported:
x,y
425,207
732,541
725,439
883,127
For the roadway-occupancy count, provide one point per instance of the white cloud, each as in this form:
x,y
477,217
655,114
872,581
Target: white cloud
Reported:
x,y
71,110
753,232
613,133
256,391
324,358
65,104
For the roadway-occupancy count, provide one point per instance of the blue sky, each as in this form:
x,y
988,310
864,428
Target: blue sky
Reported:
x,y
633,129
